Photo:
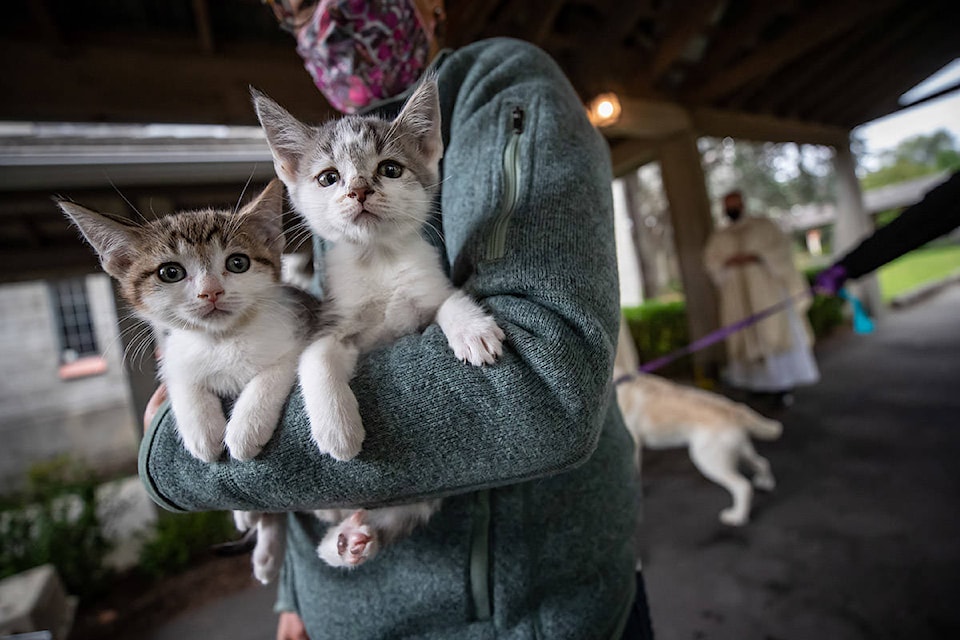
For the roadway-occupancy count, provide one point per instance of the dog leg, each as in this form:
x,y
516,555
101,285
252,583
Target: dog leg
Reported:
x,y
717,458
762,476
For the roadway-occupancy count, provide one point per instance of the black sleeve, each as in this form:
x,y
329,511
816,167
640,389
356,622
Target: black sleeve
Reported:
x,y
938,213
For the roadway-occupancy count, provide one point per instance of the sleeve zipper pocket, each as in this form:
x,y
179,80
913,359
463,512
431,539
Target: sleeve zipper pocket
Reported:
x,y
511,186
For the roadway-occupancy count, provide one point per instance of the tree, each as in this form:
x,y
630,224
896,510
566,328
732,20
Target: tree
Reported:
x,y
915,157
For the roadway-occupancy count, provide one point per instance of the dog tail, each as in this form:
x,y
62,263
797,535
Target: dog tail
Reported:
x,y
760,427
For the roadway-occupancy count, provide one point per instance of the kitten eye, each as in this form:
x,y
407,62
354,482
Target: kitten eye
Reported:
x,y
390,169
238,263
171,272
328,177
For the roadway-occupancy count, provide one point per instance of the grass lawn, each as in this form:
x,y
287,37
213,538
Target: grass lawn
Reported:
x,y
918,268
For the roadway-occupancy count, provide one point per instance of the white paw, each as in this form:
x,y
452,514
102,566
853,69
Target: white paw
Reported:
x,y
266,566
764,482
245,520
250,428
349,544
243,439
337,428
478,341
203,445
733,517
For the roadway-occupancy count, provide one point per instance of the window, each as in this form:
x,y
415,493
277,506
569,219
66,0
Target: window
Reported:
x,y
79,354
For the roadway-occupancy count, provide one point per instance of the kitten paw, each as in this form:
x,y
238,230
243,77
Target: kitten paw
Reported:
x,y
266,566
349,544
203,447
245,520
479,341
241,442
338,430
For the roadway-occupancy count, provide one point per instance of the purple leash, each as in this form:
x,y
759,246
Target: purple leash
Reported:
x,y
714,336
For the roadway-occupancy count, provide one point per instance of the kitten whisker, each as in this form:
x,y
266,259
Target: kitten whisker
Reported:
x,y
243,191
130,204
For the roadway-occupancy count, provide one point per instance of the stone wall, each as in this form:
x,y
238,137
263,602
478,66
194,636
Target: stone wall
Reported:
x,y
42,415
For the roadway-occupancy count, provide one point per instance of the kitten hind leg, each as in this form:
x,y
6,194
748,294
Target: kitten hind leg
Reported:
x,y
271,547
349,543
326,367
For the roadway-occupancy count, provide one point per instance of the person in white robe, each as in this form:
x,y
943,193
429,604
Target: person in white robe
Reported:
x,y
751,263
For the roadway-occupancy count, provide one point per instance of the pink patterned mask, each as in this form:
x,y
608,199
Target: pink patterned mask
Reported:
x,y
362,51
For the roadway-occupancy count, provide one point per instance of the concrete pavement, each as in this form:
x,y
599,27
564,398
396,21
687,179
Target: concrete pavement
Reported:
x,y
861,538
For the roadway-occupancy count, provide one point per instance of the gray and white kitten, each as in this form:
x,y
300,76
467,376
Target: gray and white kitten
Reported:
x,y
367,185
209,281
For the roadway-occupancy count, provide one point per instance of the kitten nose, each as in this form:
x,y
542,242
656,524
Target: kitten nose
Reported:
x,y
210,290
359,190
211,294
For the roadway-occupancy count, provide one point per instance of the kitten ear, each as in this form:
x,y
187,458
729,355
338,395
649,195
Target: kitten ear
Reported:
x,y
421,117
115,239
288,138
264,216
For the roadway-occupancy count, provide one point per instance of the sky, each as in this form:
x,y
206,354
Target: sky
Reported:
x,y
944,112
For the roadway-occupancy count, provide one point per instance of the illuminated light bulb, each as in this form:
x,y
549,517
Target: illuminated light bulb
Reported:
x,y
604,110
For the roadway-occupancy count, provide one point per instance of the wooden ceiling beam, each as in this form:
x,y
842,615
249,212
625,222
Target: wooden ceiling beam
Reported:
x,y
882,42
809,31
882,96
684,24
468,20
809,72
730,40
105,83
541,26
652,120
201,15
629,155
762,128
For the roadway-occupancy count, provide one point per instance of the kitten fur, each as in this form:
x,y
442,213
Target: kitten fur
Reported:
x,y
661,414
209,281
367,185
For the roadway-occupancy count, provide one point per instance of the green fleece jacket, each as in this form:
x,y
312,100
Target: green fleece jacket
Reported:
x,y
535,538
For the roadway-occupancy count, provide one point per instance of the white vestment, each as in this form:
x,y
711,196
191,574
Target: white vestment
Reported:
x,y
775,353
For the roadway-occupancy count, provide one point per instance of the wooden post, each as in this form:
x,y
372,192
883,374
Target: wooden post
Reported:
x,y
853,224
685,185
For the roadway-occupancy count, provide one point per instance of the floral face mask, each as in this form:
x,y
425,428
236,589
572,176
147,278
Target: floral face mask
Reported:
x,y
363,51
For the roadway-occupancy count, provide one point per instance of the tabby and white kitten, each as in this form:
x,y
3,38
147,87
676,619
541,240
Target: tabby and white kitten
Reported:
x,y
367,186
210,282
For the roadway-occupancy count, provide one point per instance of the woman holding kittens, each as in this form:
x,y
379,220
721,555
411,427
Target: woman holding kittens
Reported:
x,y
534,538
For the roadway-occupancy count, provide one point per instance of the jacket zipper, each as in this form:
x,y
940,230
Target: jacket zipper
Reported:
x,y
480,557
511,186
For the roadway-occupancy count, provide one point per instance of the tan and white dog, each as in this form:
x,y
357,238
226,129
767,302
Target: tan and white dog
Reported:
x,y
661,414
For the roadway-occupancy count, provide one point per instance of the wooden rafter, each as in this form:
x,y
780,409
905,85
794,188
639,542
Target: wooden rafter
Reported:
x,y
811,30
689,20
201,14
883,41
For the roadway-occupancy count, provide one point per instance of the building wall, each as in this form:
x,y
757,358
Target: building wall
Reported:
x,y
43,416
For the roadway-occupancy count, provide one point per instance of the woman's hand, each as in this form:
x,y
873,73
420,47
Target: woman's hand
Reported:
x,y
153,405
290,627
